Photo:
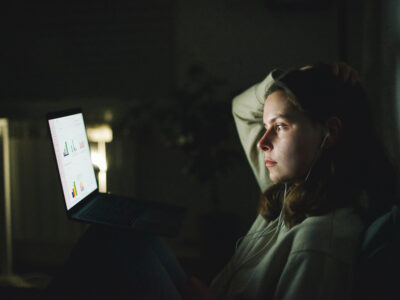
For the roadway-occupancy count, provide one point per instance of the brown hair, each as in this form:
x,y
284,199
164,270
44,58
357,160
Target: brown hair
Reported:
x,y
354,173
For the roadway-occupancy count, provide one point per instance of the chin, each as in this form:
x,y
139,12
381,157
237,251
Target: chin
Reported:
x,y
275,178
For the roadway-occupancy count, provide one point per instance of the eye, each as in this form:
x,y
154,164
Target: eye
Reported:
x,y
279,127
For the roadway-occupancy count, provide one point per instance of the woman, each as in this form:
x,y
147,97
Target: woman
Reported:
x,y
308,137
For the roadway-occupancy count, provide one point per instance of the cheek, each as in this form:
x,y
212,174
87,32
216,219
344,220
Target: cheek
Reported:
x,y
296,154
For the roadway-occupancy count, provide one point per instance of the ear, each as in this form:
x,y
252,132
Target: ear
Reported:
x,y
334,127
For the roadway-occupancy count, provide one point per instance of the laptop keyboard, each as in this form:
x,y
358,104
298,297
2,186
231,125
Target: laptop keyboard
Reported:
x,y
114,209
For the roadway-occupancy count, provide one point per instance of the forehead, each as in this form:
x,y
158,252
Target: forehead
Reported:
x,y
278,104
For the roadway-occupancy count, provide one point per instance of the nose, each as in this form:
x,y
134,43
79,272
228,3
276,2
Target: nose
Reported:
x,y
264,144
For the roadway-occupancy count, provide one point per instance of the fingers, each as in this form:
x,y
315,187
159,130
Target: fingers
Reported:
x,y
342,70
305,67
347,73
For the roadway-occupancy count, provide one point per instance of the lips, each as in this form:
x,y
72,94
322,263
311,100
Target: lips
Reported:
x,y
270,163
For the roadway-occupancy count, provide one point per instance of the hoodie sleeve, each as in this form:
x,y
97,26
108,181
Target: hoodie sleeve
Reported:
x,y
247,109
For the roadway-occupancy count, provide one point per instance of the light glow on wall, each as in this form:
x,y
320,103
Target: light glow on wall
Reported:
x,y
101,135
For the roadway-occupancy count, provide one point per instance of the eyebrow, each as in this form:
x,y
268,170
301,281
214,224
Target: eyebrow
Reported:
x,y
280,116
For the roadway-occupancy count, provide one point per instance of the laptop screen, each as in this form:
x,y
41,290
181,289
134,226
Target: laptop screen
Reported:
x,y
71,147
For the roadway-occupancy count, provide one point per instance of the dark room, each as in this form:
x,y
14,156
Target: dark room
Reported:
x,y
241,149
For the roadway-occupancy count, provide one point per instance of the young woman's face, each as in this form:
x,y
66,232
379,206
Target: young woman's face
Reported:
x,y
290,142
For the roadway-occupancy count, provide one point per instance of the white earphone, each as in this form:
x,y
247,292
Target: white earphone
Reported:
x,y
327,134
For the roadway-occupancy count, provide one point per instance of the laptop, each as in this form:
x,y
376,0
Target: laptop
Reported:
x,y
84,202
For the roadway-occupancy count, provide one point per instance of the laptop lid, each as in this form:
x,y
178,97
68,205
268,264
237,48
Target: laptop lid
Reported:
x,y
72,153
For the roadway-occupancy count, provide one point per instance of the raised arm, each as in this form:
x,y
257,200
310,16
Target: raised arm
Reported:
x,y
247,109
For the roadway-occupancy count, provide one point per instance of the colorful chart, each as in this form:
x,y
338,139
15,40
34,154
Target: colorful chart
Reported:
x,y
66,153
81,186
74,191
73,148
70,147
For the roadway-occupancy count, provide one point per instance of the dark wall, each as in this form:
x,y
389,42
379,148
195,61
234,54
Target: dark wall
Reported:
x,y
241,41
101,49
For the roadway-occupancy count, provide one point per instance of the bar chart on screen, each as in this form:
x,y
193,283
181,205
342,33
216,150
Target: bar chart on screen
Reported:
x,y
74,158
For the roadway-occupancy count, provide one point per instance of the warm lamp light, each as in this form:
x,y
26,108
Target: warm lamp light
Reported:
x,y
7,277
101,135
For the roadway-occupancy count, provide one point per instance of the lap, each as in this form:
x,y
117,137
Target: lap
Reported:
x,y
108,262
